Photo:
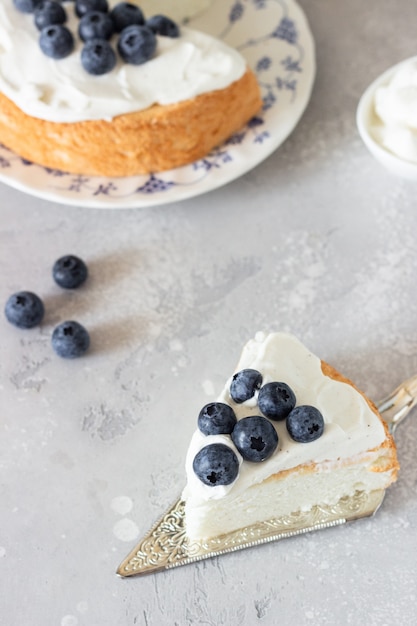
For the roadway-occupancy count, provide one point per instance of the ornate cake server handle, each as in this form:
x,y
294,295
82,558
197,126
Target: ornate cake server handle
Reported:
x,y
398,404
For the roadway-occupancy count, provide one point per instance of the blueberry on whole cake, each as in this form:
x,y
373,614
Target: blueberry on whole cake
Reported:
x,y
98,87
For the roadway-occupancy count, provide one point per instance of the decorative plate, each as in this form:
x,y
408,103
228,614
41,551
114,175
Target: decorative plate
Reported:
x,y
274,37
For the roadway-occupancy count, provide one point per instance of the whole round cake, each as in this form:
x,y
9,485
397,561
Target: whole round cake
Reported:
x,y
151,96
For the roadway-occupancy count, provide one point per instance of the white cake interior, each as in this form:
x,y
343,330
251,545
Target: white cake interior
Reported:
x,y
281,496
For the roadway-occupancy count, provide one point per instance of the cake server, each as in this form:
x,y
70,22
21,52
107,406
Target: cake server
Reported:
x,y
166,545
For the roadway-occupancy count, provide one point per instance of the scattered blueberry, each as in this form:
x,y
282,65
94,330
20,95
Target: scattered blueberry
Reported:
x,y
69,271
216,464
26,6
305,423
70,339
98,57
56,41
136,44
255,438
85,6
162,25
216,418
48,12
95,25
276,400
244,384
125,14
24,309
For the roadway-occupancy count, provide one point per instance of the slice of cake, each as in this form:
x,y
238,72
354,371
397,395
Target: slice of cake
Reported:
x,y
287,433
148,97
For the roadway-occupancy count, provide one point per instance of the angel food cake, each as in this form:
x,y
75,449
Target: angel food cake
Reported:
x,y
287,433
147,99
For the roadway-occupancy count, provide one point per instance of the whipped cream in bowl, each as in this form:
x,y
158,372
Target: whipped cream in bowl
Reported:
x,y
387,119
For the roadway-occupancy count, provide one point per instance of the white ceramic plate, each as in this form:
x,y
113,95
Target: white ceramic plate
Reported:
x,y
274,37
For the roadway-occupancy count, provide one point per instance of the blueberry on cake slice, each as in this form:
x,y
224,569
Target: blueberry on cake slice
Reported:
x,y
287,433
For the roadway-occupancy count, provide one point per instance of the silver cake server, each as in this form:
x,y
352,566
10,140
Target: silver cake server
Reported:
x,y
166,545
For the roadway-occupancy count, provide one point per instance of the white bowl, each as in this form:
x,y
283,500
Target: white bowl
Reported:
x,y
366,119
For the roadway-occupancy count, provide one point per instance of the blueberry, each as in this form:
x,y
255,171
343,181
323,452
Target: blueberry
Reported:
x,y
276,400
244,384
98,57
95,25
216,464
56,41
162,25
216,418
125,14
70,340
26,6
69,271
255,438
136,44
49,12
85,6
24,309
305,423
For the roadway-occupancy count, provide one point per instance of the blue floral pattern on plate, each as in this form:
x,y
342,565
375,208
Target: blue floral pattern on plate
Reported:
x,y
274,37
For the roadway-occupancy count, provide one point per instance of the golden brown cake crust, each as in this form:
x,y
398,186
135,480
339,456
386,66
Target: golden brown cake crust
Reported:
x,y
390,462
389,442
153,140
329,371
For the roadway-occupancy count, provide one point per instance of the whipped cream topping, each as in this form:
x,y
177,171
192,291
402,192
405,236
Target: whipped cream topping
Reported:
x,y
62,91
351,427
176,9
395,105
